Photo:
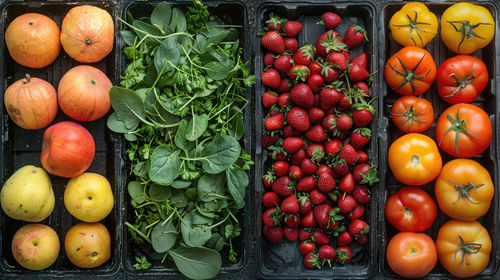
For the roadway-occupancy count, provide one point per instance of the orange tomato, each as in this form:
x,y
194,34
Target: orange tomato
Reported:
x,y
411,255
414,159
88,245
463,248
412,114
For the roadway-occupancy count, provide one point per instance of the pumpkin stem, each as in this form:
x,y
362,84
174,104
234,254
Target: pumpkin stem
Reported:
x,y
27,78
88,41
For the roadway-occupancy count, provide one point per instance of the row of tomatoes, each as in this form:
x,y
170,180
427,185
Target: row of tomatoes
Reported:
x,y
463,187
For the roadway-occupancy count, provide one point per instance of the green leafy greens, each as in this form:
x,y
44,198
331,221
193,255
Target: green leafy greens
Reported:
x,y
180,108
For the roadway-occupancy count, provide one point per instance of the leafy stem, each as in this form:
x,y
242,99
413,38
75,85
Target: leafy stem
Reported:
x,y
460,126
463,191
414,26
466,248
410,116
461,83
466,29
409,74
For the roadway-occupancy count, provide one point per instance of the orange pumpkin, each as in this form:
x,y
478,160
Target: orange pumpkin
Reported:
x,y
33,40
87,33
31,102
83,93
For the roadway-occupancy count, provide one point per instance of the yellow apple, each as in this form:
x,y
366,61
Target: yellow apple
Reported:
x,y
88,245
35,246
89,197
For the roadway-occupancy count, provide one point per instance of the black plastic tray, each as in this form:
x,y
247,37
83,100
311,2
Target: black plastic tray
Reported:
x,y
283,260
230,12
21,147
388,133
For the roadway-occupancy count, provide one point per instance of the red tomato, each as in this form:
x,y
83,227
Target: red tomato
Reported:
x,y
411,255
410,209
412,114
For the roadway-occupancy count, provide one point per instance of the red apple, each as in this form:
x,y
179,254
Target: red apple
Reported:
x,y
35,246
67,149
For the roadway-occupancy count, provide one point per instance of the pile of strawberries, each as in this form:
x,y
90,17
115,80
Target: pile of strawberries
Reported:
x,y
318,110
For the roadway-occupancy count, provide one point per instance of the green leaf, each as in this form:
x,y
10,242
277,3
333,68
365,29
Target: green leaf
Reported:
x,y
128,37
220,154
167,51
196,263
210,186
163,236
128,106
216,35
119,126
140,169
199,219
217,71
178,184
136,191
199,236
159,193
178,22
161,16
142,29
237,181
237,128
165,165
196,126
200,43
180,135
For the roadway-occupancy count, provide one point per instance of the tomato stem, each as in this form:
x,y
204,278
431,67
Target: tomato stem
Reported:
x,y
459,126
409,74
410,116
467,30
414,26
466,248
463,191
463,82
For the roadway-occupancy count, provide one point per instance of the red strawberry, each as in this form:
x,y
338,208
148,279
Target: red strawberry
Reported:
x,y
298,119
347,55
329,97
302,95
277,155
269,98
316,134
271,78
315,81
328,42
326,169
288,131
272,217
303,236
363,114
273,234
273,41
281,168
305,205
363,157
274,112
285,86
363,239
298,157
333,147
341,168
317,197
320,237
270,199
283,63
312,261
343,254
315,149
283,100
306,247
355,35
362,86
358,212
326,217
344,239
331,20
308,166
361,59
292,144
299,72
346,184
290,205
361,194
293,221
360,137
326,254
275,122
295,172
274,23
357,73
307,184
326,183
292,234
358,227
292,28
268,179
268,140
308,220
344,122
346,203
304,56
338,59
269,59
291,44
315,114
329,73
283,186
348,154
329,123
360,170
315,68
345,104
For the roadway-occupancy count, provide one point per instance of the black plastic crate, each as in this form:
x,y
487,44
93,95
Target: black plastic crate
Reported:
x,y
230,12
388,133
21,147
283,260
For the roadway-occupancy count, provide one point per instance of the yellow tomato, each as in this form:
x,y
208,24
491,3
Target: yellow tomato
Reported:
x,y
414,25
466,27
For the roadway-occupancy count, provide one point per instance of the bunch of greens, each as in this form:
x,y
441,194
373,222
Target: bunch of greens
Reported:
x,y
181,111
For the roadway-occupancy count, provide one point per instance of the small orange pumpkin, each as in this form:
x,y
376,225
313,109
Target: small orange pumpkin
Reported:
x,y
31,102
83,93
87,33
33,40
